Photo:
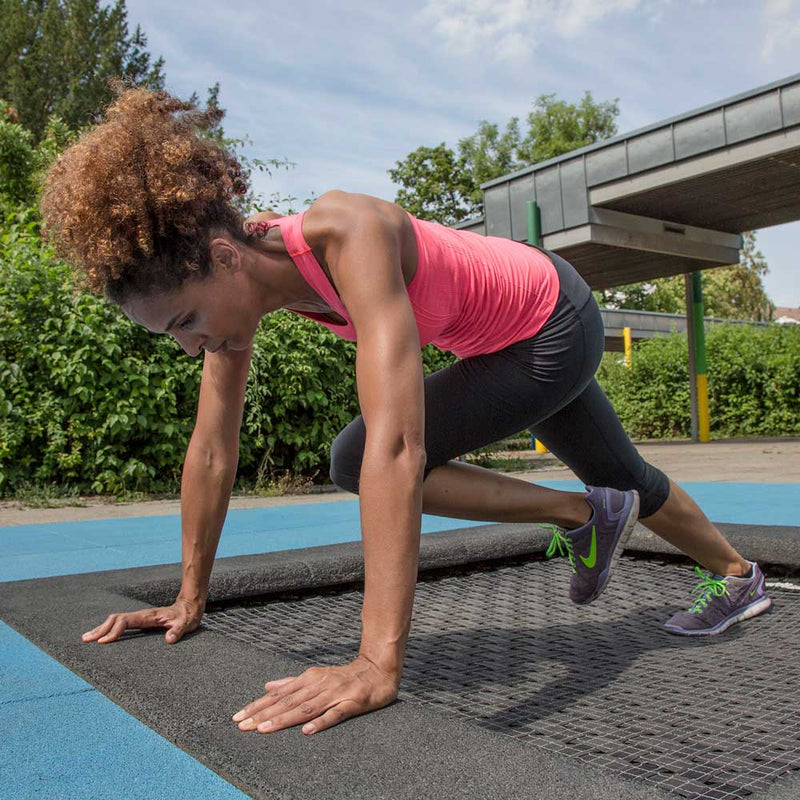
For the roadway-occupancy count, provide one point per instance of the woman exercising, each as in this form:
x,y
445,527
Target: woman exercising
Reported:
x,y
141,205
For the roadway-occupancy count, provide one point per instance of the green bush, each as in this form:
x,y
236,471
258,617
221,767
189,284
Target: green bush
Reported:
x,y
753,383
87,398
90,401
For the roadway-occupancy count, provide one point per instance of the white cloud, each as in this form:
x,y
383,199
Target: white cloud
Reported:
x,y
346,89
513,29
781,27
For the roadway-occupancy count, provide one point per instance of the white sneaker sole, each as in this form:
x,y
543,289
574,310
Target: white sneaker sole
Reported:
x,y
753,610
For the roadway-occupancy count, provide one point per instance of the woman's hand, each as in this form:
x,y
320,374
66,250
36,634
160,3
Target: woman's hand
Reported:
x,y
321,697
180,618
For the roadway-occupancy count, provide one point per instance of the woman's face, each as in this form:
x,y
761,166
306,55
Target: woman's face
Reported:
x,y
218,312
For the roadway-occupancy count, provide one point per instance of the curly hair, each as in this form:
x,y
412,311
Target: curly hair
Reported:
x,y
133,202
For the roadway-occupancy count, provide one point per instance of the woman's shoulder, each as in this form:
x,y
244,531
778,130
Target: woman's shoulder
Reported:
x,y
338,214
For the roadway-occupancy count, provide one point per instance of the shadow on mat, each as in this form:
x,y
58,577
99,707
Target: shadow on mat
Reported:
x,y
545,669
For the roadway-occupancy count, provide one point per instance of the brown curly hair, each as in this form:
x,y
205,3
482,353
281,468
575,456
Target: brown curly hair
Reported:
x,y
133,202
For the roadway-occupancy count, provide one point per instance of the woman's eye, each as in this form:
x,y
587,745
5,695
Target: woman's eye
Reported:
x,y
185,324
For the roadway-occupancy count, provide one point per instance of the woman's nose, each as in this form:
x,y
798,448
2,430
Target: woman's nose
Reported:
x,y
191,344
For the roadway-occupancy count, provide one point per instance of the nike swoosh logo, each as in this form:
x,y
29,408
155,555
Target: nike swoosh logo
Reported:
x,y
592,558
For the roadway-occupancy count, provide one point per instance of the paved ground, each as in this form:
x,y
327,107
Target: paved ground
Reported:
x,y
746,461
143,720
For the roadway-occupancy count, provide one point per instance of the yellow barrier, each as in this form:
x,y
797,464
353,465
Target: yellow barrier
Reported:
x,y
626,337
703,419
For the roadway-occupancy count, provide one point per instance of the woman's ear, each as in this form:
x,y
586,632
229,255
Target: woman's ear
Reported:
x,y
253,225
223,253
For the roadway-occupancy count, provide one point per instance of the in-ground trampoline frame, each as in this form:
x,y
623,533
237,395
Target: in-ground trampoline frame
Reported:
x,y
406,750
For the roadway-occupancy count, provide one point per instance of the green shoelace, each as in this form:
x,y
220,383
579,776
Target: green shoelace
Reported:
x,y
707,588
560,545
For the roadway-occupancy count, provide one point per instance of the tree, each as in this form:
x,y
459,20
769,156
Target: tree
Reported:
x,y
488,154
556,127
737,291
56,57
438,184
733,292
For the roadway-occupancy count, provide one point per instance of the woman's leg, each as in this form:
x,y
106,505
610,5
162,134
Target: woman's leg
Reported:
x,y
486,398
544,383
466,491
468,405
589,438
681,522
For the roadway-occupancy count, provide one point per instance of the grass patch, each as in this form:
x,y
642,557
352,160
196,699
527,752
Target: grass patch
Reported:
x,y
271,483
48,495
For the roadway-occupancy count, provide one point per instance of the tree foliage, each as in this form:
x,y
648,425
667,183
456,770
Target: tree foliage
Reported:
x,y
434,184
443,185
556,127
56,57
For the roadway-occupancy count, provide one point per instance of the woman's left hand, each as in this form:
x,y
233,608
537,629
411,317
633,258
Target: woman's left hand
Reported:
x,y
321,697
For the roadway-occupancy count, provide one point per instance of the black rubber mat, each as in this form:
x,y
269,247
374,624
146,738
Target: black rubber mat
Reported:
x,y
701,718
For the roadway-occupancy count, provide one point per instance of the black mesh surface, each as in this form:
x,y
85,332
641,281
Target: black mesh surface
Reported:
x,y
702,718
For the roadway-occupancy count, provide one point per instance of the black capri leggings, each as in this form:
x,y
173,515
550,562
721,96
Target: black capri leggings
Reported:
x,y
545,384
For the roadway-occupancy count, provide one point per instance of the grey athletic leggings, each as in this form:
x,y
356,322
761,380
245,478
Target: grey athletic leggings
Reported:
x,y
545,384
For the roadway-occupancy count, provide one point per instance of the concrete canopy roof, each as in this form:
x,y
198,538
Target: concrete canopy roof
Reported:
x,y
666,199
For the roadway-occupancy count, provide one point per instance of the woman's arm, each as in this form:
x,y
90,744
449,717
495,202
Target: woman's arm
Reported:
x,y
208,474
210,467
361,238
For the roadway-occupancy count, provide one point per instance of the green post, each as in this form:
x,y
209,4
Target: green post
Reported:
x,y
700,360
534,219
534,222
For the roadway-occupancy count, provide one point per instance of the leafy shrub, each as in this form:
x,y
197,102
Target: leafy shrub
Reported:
x,y
23,164
86,397
753,380
89,400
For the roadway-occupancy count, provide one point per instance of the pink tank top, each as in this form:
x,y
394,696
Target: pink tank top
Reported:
x,y
471,294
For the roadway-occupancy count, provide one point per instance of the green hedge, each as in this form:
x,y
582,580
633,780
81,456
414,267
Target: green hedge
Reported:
x,y
90,401
93,403
753,383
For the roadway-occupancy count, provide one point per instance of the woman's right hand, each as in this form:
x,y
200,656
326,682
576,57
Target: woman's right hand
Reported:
x,y
180,618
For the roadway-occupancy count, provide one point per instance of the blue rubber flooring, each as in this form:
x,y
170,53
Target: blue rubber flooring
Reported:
x,y
64,739
70,741
39,551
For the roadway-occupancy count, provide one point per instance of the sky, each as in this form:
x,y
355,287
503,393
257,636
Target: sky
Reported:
x,y
343,90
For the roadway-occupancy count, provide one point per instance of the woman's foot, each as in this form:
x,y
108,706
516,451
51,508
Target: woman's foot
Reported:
x,y
721,602
593,549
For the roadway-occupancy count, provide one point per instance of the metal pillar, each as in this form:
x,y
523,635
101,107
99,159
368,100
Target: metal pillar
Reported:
x,y
534,219
698,365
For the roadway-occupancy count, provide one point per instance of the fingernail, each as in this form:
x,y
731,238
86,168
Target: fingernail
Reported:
x,y
308,729
264,725
239,716
246,722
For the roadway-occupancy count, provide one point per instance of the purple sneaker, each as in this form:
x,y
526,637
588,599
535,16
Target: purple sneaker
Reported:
x,y
599,543
721,601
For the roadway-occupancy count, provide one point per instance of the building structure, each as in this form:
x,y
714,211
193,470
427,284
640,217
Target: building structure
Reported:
x,y
671,198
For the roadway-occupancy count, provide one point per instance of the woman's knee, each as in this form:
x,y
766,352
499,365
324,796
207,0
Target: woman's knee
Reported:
x,y
347,452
